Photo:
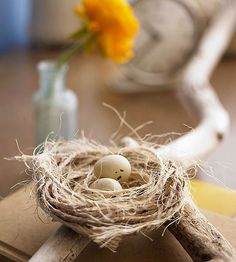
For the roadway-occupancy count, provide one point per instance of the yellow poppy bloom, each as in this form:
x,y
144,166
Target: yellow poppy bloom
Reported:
x,y
115,25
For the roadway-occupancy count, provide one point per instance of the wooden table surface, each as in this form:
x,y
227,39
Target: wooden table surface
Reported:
x,y
87,77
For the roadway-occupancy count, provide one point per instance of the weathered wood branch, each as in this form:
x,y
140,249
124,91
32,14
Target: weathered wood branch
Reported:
x,y
198,95
64,245
200,238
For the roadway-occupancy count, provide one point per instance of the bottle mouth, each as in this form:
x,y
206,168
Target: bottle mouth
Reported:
x,y
49,66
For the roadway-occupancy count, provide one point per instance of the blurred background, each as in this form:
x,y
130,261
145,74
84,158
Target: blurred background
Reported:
x,y
36,30
31,31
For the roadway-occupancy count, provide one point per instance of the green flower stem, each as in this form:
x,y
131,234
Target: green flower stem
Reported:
x,y
84,41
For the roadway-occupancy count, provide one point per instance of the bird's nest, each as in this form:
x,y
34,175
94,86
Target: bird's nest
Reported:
x,y
154,193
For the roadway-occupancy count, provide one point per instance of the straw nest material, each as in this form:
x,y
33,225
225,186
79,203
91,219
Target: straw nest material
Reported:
x,y
155,192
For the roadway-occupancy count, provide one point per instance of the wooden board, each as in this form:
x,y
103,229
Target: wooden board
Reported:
x,y
23,229
87,77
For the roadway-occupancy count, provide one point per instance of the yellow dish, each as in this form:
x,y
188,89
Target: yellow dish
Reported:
x,y
214,198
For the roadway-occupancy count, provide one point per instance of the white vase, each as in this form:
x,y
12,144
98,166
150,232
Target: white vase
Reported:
x,y
55,106
53,21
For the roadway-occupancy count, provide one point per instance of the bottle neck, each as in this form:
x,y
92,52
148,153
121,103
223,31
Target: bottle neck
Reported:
x,y
51,81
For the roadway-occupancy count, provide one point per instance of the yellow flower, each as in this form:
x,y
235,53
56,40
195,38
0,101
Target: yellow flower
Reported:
x,y
115,25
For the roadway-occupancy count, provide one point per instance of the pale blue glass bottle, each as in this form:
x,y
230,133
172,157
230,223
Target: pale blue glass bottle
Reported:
x,y
55,106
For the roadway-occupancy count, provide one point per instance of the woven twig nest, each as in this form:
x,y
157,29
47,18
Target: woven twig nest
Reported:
x,y
155,192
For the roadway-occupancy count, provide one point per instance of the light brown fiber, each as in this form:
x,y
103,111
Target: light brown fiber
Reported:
x,y
155,192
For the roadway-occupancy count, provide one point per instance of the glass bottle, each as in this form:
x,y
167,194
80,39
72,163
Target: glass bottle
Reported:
x,y
55,106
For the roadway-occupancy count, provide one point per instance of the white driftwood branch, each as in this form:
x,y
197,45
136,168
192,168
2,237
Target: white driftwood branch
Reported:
x,y
64,245
199,238
194,232
197,95
214,124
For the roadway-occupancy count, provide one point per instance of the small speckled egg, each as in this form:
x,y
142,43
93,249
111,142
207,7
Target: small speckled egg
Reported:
x,y
113,166
106,184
